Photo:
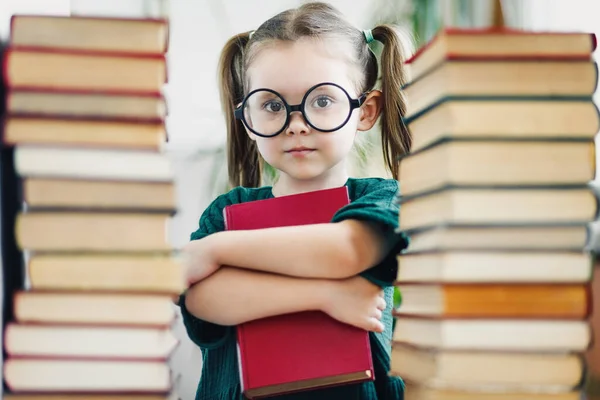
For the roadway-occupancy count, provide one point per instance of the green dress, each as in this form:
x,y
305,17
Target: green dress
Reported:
x,y
373,200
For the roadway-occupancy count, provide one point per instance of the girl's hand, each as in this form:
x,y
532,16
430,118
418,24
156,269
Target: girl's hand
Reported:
x,y
199,260
356,301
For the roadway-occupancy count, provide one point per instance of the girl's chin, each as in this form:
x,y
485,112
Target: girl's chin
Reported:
x,y
303,174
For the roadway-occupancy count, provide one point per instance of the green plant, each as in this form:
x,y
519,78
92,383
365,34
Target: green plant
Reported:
x,y
426,20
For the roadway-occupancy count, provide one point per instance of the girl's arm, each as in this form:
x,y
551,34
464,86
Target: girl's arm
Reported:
x,y
332,250
232,296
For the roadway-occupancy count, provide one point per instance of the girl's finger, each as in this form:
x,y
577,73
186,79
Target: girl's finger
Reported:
x,y
377,314
375,325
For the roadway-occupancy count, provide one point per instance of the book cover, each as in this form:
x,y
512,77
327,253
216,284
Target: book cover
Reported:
x,y
318,350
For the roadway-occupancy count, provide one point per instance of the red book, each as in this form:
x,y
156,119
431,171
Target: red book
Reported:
x,y
299,351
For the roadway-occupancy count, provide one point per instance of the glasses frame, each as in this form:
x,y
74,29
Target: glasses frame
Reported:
x,y
354,104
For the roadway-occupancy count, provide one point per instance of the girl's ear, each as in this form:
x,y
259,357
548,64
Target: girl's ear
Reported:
x,y
370,110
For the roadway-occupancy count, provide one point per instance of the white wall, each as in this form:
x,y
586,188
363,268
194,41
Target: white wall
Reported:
x,y
10,7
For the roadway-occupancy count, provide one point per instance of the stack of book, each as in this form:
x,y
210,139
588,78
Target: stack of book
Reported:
x,y
497,201
83,136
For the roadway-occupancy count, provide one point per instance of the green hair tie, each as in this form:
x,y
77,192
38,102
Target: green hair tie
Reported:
x,y
368,35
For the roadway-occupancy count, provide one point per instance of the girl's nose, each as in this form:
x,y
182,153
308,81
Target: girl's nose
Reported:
x,y
297,124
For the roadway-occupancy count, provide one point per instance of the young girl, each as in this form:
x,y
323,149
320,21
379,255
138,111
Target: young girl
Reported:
x,y
296,92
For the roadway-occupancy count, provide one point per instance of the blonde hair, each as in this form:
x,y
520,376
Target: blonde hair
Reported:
x,y
318,21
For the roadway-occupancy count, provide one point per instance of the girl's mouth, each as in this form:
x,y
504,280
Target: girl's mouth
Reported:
x,y
300,151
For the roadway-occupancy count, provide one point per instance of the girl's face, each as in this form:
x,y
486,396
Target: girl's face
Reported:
x,y
301,152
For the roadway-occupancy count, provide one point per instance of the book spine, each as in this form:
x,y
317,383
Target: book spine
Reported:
x,y
86,53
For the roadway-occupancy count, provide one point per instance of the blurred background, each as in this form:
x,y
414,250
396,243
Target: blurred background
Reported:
x,y
198,30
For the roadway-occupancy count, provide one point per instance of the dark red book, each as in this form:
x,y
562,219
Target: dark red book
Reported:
x,y
299,351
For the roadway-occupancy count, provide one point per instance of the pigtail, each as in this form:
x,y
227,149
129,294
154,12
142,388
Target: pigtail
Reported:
x,y
395,137
242,155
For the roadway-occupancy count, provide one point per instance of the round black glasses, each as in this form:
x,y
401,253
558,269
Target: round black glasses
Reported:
x,y
326,107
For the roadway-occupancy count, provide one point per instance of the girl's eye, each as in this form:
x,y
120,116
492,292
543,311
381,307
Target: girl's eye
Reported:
x,y
322,102
273,106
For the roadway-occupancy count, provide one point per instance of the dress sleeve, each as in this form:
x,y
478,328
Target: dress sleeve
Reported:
x,y
203,333
378,204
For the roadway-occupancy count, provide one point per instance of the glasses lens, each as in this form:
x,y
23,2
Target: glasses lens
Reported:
x,y
265,112
327,107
